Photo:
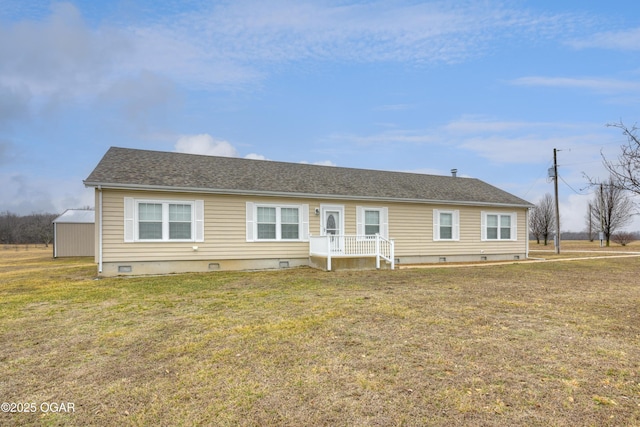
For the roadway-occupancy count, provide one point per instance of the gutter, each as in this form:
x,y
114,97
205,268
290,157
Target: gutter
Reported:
x,y
296,195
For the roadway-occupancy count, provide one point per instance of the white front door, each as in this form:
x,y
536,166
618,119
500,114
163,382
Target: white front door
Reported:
x,y
332,218
332,222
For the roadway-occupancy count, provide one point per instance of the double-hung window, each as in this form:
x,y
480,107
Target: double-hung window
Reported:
x,y
446,225
163,220
290,223
276,222
499,226
149,221
266,223
371,221
180,221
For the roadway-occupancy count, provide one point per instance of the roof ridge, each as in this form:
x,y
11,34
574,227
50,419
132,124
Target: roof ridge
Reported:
x,y
288,163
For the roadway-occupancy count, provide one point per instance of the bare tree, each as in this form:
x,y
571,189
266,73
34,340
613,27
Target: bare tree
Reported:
x,y
611,207
623,238
542,220
625,170
591,226
8,227
34,228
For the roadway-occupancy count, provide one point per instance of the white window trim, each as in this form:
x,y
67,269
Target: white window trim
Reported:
x,y
384,220
455,226
514,226
131,220
252,222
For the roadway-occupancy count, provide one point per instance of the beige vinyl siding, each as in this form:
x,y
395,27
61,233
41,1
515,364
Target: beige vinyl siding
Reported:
x,y
409,224
224,231
75,239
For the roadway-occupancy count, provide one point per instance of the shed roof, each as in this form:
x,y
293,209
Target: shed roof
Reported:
x,y
170,171
76,216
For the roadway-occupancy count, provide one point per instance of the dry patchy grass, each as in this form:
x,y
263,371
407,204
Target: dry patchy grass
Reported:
x,y
583,248
521,344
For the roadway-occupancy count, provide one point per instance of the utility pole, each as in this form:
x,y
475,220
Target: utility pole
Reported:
x,y
590,219
555,180
601,234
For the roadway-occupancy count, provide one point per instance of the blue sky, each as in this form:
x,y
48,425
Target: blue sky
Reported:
x,y
487,87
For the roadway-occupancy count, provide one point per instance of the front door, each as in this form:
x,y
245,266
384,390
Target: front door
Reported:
x,y
332,227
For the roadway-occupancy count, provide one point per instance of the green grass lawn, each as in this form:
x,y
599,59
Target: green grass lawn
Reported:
x,y
514,344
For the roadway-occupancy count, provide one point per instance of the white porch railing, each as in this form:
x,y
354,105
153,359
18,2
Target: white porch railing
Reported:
x,y
332,246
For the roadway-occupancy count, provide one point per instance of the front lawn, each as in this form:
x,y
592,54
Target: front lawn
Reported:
x,y
514,344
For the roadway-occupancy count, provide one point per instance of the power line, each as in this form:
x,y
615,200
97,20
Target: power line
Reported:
x,y
535,181
573,189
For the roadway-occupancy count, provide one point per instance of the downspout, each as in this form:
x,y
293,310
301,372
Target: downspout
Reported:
x,y
526,236
55,240
100,230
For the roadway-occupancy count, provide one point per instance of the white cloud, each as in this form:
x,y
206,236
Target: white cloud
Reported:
x,y
61,56
616,40
221,44
205,144
25,194
522,142
320,163
60,62
596,84
240,42
140,98
431,171
402,136
393,107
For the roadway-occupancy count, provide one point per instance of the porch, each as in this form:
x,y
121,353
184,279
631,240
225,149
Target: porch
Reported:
x,y
341,247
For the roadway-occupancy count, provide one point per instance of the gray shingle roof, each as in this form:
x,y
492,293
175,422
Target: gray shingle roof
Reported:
x,y
131,168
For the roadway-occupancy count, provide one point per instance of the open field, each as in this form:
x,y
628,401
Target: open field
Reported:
x,y
553,343
580,249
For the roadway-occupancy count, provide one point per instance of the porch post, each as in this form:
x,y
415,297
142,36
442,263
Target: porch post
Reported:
x,y
392,246
328,252
377,251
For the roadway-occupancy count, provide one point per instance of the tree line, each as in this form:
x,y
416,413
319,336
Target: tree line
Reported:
x,y
26,229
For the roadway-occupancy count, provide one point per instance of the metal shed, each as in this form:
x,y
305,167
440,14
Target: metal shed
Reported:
x,y
74,233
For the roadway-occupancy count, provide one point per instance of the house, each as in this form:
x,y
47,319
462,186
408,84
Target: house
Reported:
x,y
74,233
162,212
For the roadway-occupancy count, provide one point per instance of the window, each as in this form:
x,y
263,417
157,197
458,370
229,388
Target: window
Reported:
x,y
446,225
164,221
499,226
266,223
272,222
179,221
160,220
289,223
371,221
149,221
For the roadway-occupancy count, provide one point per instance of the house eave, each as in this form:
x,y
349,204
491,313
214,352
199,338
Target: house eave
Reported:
x,y
172,189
